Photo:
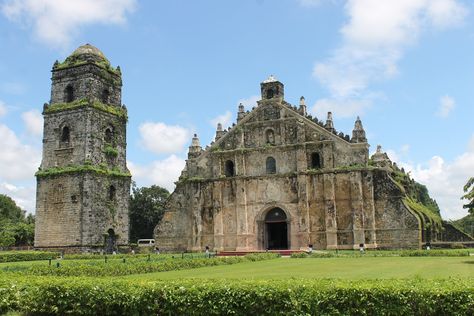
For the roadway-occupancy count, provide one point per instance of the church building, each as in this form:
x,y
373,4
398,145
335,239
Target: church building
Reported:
x,y
281,179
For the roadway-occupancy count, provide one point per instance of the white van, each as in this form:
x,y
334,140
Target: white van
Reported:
x,y
146,242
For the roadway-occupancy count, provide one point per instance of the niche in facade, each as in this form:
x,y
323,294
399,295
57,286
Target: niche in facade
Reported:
x,y
229,168
271,165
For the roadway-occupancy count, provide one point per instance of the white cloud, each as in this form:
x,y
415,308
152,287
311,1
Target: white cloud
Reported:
x,y
446,105
24,197
444,180
249,102
161,172
33,121
160,138
17,161
56,22
375,38
3,109
340,108
225,119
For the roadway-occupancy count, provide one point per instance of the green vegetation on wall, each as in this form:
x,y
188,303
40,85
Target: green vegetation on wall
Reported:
x,y
110,151
59,107
100,169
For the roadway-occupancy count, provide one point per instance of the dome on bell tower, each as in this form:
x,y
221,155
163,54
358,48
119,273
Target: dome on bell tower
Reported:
x,y
87,53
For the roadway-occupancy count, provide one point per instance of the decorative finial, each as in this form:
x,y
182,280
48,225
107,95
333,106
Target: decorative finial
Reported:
x,y
270,79
302,101
329,123
302,108
219,127
241,112
358,133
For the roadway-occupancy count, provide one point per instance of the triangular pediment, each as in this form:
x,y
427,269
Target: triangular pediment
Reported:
x,y
274,110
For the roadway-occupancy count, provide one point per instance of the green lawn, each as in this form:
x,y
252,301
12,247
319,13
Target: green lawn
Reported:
x,y
344,268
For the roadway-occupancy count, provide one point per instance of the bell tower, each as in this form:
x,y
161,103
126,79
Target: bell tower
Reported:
x,y
83,183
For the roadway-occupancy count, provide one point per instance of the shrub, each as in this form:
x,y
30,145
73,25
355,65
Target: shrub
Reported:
x,y
139,265
55,296
15,256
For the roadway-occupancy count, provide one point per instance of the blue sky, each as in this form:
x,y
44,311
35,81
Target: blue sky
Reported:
x,y
404,66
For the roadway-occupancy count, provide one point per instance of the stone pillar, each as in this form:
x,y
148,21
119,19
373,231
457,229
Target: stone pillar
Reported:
x,y
218,218
330,208
369,210
241,215
357,208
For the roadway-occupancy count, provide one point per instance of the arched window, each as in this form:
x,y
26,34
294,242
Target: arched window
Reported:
x,y
271,165
315,161
65,135
109,135
270,136
69,94
112,192
269,93
105,96
229,168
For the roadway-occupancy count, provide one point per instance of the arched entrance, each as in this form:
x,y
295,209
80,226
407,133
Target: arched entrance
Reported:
x,y
276,229
110,241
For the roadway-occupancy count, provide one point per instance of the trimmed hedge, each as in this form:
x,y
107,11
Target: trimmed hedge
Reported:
x,y
389,253
15,256
98,268
56,296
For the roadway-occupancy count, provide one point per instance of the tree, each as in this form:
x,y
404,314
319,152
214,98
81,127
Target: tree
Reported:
x,y
147,205
469,196
15,229
9,209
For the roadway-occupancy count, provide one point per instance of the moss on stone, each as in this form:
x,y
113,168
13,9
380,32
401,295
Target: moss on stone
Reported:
x,y
424,211
103,170
111,109
110,151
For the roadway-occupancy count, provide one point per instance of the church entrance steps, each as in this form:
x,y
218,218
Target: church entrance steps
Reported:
x,y
282,252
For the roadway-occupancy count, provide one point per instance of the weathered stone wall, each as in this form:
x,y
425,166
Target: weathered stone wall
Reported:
x,y
76,210
397,226
88,82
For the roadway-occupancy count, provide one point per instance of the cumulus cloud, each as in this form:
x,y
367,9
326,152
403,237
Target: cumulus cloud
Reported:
x,y
3,109
225,119
374,40
161,172
160,138
340,107
444,179
33,121
446,105
24,196
56,22
17,161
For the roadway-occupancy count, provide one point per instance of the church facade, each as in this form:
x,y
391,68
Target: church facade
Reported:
x,y
281,179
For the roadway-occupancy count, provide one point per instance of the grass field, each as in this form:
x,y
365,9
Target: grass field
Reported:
x,y
344,268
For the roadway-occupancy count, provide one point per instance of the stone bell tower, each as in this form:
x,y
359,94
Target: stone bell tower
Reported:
x,y
83,183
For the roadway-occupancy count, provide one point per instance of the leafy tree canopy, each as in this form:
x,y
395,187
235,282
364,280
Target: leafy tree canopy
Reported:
x,y
147,205
9,209
469,195
15,228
